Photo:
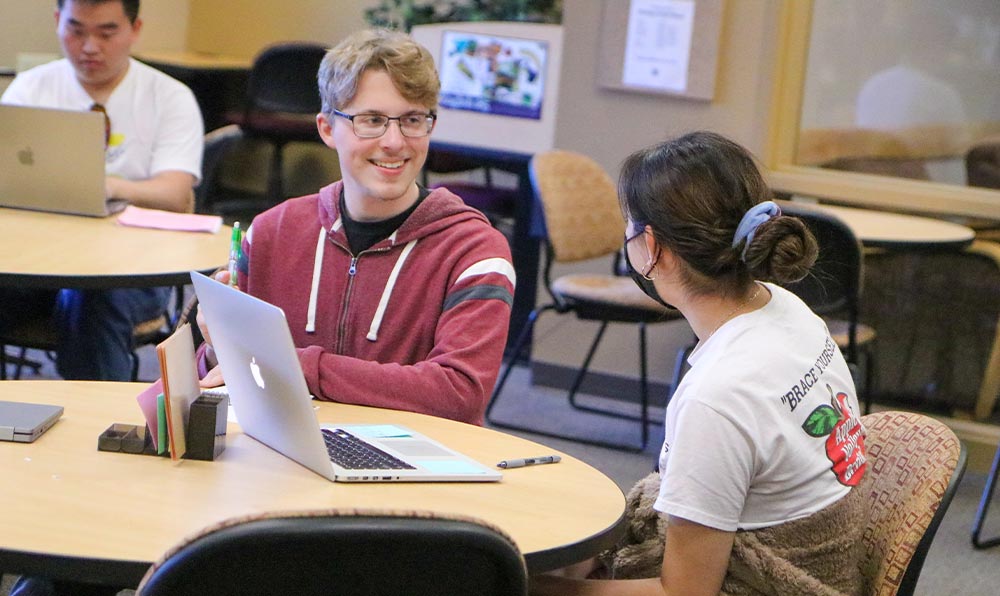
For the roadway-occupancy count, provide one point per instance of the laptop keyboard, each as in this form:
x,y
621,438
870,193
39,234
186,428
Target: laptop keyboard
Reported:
x,y
351,453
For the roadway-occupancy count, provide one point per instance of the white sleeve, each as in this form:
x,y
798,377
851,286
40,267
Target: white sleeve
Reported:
x,y
17,93
180,138
709,468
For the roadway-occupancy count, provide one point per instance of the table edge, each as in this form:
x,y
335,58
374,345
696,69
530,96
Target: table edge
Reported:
x,y
100,282
128,573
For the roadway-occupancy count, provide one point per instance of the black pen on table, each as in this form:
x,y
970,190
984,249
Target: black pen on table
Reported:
x,y
529,461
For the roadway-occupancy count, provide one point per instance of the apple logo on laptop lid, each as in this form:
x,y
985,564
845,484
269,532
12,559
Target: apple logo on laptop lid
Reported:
x,y
255,372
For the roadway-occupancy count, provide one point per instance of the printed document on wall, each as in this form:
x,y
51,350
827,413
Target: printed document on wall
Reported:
x,y
658,46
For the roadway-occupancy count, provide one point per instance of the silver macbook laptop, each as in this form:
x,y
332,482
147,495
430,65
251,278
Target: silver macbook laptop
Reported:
x,y
53,160
269,394
23,423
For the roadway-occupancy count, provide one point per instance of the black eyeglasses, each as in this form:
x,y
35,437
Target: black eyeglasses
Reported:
x,y
372,126
107,122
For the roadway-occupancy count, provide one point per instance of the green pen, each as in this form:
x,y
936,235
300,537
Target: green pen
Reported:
x,y
235,247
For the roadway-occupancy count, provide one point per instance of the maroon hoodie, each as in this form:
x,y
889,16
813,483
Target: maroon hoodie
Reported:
x,y
417,322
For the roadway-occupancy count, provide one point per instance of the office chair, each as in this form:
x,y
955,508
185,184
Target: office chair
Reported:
x,y
915,464
496,203
982,163
989,392
281,103
355,551
41,334
584,222
209,196
833,288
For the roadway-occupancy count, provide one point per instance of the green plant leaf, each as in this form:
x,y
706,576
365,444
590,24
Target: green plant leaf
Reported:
x,y
821,421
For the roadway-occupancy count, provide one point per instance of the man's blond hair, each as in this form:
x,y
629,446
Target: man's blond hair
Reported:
x,y
408,64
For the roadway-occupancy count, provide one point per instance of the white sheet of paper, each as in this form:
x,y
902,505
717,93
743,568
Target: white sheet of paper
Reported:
x,y
658,46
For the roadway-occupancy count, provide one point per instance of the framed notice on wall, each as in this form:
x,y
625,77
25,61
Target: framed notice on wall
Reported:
x,y
668,47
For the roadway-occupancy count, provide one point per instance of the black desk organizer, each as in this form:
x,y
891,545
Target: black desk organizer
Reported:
x,y
206,432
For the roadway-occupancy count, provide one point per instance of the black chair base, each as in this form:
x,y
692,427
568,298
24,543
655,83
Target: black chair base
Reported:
x,y
19,362
984,506
643,418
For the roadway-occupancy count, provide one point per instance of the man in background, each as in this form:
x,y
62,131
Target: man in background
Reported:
x,y
154,143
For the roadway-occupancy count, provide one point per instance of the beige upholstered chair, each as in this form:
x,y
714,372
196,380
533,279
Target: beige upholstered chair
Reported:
x,y
342,551
583,221
915,464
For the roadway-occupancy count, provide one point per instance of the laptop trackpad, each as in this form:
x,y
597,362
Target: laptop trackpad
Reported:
x,y
416,447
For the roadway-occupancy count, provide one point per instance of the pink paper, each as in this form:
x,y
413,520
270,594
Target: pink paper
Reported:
x,y
147,403
168,220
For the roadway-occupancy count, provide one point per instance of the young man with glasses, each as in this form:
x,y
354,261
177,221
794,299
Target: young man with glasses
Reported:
x,y
154,141
397,296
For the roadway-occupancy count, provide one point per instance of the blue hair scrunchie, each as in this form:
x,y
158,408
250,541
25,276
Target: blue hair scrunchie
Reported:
x,y
752,219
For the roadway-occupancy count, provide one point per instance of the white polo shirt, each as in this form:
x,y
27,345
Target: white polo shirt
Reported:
x,y
156,125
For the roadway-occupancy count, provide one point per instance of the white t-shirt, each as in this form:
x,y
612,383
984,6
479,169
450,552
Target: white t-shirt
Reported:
x,y
764,427
156,124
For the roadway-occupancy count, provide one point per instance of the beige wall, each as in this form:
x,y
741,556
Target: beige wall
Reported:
x,y
165,25
608,125
29,26
219,26
26,27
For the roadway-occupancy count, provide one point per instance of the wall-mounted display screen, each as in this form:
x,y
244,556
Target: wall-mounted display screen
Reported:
x,y
493,74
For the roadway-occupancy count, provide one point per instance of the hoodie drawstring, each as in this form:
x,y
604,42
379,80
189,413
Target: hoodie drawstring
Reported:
x,y
384,301
386,293
314,290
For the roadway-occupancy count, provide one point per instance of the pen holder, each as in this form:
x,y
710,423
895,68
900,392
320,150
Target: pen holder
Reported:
x,y
206,429
206,432
126,438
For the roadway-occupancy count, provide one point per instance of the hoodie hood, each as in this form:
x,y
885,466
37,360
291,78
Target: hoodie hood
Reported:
x,y
439,210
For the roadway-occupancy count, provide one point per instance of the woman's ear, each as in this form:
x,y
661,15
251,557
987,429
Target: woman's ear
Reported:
x,y
663,257
653,248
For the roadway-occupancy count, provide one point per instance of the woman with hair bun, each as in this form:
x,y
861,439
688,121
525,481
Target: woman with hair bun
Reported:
x,y
763,445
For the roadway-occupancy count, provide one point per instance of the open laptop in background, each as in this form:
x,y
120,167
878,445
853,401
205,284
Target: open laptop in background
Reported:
x,y
53,160
269,393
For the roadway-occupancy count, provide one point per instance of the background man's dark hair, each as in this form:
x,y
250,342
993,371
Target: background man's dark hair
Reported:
x,y
131,6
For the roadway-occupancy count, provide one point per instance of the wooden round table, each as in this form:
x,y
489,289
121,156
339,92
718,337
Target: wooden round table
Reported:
x,y
70,511
895,231
53,251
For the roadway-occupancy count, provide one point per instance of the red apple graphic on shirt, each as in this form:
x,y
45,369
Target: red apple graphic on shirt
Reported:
x,y
845,441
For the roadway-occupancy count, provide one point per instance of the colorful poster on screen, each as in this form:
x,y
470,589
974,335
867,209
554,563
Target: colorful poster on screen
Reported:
x,y
493,74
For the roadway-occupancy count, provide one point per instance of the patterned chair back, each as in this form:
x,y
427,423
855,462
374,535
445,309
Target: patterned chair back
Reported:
x,y
915,464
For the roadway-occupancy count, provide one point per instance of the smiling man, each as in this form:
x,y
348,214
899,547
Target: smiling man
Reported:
x,y
397,296
154,140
